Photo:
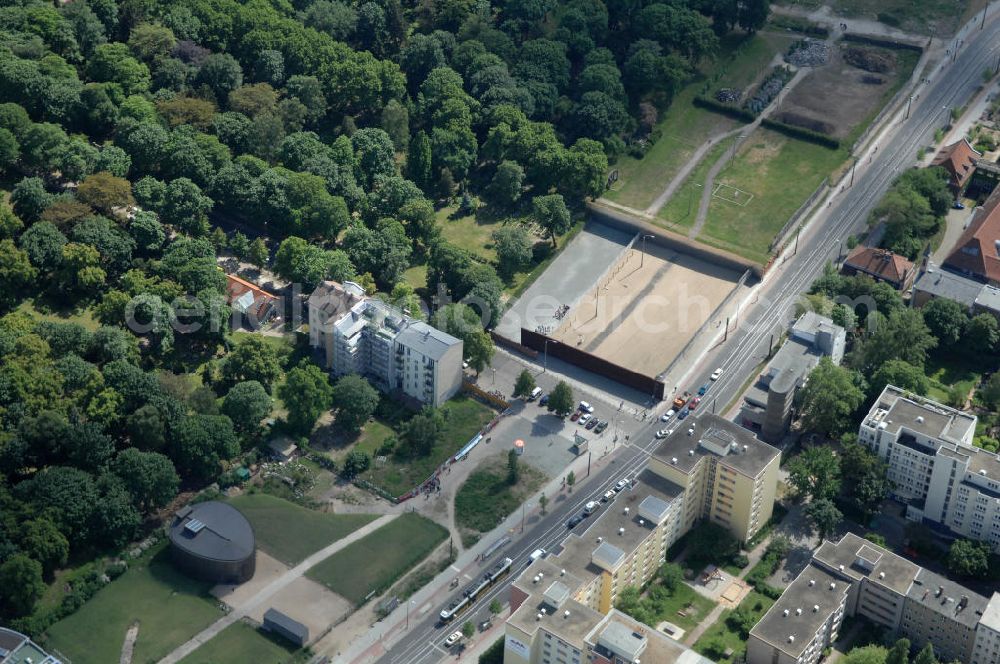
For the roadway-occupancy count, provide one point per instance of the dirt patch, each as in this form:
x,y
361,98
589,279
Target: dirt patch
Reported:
x,y
761,152
308,602
844,92
267,570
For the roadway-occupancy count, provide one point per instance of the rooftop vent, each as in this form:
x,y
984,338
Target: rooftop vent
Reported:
x,y
536,579
690,452
626,511
600,539
840,567
812,582
798,612
982,471
566,614
815,608
673,460
791,639
538,616
691,431
881,575
562,572
621,531
833,585
920,419
543,611
642,522
746,447
785,613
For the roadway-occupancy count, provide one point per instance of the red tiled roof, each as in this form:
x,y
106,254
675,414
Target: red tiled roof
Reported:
x,y
959,159
978,250
237,287
880,263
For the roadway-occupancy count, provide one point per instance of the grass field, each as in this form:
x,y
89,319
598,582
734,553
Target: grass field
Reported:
x,y
721,636
82,316
684,126
781,173
931,17
951,375
241,643
376,561
290,532
679,212
463,417
170,609
485,499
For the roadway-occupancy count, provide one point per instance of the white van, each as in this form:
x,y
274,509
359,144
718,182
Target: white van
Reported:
x,y
535,393
591,507
536,554
586,407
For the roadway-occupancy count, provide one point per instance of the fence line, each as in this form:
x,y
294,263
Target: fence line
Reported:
x,y
779,238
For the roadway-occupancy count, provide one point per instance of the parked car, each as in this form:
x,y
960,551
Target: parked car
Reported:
x,y
584,418
452,639
536,554
716,374
667,416
544,400
684,413
590,507
575,416
608,495
591,423
535,393
621,485
694,403
485,624
574,522
958,205
703,389
601,426
662,433
585,407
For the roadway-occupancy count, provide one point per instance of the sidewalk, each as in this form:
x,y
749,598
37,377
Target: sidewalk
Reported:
x,y
270,589
383,635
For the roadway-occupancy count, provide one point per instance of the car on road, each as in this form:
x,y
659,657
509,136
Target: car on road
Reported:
x,y
622,483
590,507
716,374
684,413
667,416
586,407
586,417
544,400
452,639
601,426
574,522
592,423
575,416
958,205
662,433
608,495
536,554
485,624
703,389
694,403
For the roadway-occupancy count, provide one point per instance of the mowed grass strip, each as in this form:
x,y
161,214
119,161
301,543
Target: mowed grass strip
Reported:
x,y
680,212
684,126
379,559
781,173
240,643
289,532
463,418
169,607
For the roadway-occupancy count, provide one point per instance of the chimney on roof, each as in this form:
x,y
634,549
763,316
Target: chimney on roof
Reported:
x,y
939,591
621,531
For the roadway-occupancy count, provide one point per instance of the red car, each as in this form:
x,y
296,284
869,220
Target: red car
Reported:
x,y
575,416
694,403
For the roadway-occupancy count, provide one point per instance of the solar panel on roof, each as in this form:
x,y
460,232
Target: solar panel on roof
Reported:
x,y
194,526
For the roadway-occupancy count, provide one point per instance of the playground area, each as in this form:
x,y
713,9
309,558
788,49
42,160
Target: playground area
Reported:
x,y
645,308
721,587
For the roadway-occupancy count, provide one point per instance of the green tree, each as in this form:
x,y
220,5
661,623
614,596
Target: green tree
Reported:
x,y
355,401
926,655
829,398
258,255
899,653
253,359
21,585
29,199
149,477
513,247
113,63
221,73
561,400
200,443
507,184
104,192
824,516
16,274
479,350
306,393
247,404
418,160
41,540
946,319
551,214
815,473
901,374
513,472
151,42
422,432
969,558
186,206
468,629
357,462
982,333
868,485
903,335
525,384
543,502
299,261
495,607
866,655
990,392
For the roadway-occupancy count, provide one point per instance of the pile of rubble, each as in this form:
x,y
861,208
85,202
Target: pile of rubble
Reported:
x,y
768,90
728,95
808,53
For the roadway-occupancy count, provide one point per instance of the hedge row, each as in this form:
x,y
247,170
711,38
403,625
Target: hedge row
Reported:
x,y
799,25
884,43
725,109
802,133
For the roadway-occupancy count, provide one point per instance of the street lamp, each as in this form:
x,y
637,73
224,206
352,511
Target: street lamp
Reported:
x,y
642,257
545,358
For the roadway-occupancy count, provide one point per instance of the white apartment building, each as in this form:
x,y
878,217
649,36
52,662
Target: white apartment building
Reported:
x,y
363,335
933,465
854,577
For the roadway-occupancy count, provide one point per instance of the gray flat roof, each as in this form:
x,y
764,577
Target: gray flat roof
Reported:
x,y
950,599
811,588
899,573
792,362
716,432
429,340
287,623
942,283
225,534
923,416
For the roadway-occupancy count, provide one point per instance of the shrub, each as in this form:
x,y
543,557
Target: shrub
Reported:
x,y
725,109
802,133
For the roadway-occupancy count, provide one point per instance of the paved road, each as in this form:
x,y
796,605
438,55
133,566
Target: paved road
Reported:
x,y
768,314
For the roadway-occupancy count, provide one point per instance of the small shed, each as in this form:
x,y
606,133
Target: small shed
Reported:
x,y
277,622
282,448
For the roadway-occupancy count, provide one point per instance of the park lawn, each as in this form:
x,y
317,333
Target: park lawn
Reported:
x,y
379,559
485,498
678,214
375,432
169,606
416,277
685,126
241,643
950,373
930,17
720,636
781,173
81,315
290,532
695,607
463,418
